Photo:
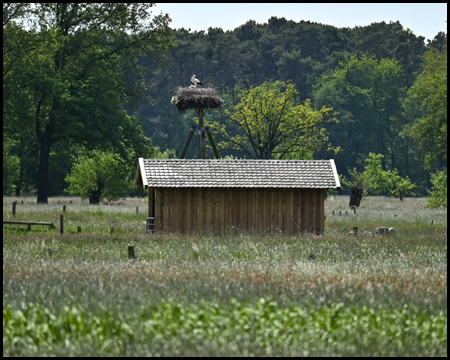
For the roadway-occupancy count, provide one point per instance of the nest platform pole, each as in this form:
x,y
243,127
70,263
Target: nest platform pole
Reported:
x,y
188,141
201,135
213,142
198,99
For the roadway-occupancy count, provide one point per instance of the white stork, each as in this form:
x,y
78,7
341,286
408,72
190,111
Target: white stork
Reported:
x,y
196,81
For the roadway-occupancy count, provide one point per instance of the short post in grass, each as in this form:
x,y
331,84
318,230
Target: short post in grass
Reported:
x,y
64,208
131,252
14,208
137,209
61,224
111,229
78,229
355,230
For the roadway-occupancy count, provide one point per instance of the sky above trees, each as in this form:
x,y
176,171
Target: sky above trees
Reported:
x,y
424,19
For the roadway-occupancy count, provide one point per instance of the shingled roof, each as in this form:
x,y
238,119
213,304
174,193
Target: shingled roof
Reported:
x,y
317,174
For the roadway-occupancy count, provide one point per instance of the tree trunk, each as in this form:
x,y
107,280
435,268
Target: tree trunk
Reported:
x,y
355,196
95,196
46,143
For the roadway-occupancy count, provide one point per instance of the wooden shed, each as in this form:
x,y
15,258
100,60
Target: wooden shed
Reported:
x,y
255,196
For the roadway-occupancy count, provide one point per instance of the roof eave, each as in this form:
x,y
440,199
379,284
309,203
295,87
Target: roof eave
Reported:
x,y
140,181
336,176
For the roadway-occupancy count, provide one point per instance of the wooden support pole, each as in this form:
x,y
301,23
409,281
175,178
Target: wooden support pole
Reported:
x,y
131,252
64,208
14,208
201,134
213,142
200,128
137,209
203,143
188,141
61,224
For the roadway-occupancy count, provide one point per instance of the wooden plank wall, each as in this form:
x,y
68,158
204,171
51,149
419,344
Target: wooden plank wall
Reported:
x,y
253,210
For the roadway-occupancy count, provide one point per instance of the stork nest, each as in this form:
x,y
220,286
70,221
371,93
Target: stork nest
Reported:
x,y
196,98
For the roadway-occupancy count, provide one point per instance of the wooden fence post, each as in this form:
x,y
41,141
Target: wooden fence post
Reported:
x,y
61,224
131,252
137,209
14,208
64,208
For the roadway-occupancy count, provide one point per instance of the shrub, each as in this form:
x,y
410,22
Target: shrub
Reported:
x,y
438,190
99,175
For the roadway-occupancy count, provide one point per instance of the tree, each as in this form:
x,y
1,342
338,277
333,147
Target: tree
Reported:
x,y
367,95
270,124
439,190
429,94
355,185
382,182
82,72
99,175
11,167
374,180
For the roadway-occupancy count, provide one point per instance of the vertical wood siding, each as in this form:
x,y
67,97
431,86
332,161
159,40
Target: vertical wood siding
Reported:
x,y
220,210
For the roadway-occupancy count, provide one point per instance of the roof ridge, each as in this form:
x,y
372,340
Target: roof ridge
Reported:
x,y
250,160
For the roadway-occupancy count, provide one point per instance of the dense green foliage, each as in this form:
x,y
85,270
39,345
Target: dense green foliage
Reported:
x,y
429,95
98,175
438,190
273,329
376,181
367,93
79,295
74,73
270,124
76,81
11,169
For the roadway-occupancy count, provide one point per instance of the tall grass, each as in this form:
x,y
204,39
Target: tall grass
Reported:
x,y
79,295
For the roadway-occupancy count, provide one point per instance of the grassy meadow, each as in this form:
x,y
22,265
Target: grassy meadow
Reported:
x,y
233,295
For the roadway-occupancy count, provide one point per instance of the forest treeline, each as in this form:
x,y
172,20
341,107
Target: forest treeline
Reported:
x,y
336,67
365,74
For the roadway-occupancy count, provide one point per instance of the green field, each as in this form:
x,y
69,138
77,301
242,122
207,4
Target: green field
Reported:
x,y
233,295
